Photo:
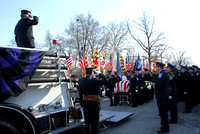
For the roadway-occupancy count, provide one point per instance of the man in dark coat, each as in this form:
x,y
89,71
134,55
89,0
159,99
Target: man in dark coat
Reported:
x,y
196,86
110,87
185,87
161,87
24,31
135,84
172,93
89,90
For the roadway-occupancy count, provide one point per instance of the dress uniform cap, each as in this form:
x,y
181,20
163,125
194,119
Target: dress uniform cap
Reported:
x,y
25,11
171,65
89,70
194,66
133,72
160,64
185,67
108,72
191,68
137,69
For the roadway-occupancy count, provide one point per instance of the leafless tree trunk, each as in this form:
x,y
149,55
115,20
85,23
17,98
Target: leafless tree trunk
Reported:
x,y
48,39
86,33
145,35
117,39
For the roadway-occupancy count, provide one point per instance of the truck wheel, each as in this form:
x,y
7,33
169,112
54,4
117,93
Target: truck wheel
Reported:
x,y
7,127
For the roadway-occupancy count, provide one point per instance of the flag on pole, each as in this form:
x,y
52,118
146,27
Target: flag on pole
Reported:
x,y
69,61
103,62
122,63
110,63
82,64
96,60
86,60
118,65
143,64
128,63
138,63
66,73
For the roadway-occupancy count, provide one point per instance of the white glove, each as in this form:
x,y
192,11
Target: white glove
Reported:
x,y
97,72
170,97
136,91
149,86
141,88
185,92
76,83
107,89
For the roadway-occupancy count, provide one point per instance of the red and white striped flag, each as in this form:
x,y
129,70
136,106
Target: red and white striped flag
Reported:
x,y
69,61
110,63
122,86
82,64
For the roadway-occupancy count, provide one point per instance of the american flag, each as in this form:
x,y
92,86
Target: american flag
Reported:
x,y
82,63
122,86
128,63
110,63
66,72
69,61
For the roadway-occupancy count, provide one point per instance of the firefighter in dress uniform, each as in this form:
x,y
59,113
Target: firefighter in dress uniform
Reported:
x,y
90,100
196,90
134,88
161,87
110,87
24,31
172,94
185,88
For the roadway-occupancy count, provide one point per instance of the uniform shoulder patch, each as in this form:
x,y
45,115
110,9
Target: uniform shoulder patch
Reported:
x,y
160,75
197,73
171,75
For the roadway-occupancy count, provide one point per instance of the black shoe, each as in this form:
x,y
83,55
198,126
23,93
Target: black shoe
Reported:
x,y
111,105
161,131
172,122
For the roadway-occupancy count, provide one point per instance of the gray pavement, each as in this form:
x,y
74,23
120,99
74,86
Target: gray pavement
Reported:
x,y
146,120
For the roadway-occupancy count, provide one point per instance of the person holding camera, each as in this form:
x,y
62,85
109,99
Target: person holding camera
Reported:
x,y
24,31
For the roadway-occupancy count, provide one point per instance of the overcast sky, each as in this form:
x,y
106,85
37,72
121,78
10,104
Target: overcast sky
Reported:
x,y
179,19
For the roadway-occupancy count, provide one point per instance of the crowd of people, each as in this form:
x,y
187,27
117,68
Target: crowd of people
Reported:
x,y
170,85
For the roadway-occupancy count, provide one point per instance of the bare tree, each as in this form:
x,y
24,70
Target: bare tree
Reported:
x,y
86,32
12,43
147,37
117,38
180,59
48,39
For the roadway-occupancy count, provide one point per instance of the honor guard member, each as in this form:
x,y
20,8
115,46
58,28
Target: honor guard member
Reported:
x,y
91,101
110,87
24,31
161,87
196,82
191,71
134,88
149,92
185,87
172,94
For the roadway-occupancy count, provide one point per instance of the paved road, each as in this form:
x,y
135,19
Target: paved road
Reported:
x,y
146,120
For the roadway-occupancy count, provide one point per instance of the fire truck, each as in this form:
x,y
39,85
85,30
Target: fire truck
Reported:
x,y
36,95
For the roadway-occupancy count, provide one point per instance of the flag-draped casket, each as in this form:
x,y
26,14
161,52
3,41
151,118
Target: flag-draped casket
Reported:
x,y
122,86
17,66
